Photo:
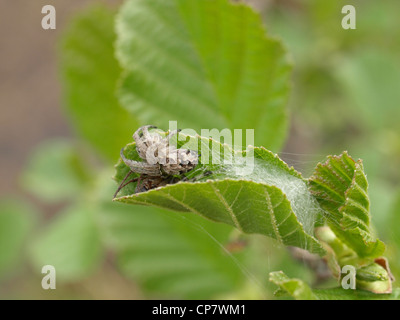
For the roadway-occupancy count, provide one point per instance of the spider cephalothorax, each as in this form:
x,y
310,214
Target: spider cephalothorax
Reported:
x,y
162,162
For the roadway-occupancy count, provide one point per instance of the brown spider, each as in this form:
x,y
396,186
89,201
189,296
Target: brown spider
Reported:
x,y
162,162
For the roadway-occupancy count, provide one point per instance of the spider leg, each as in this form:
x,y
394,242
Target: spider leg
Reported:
x,y
140,136
122,185
127,175
207,173
167,153
141,167
204,174
145,130
139,184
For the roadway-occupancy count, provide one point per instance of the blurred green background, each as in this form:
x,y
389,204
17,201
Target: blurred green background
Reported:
x,y
56,168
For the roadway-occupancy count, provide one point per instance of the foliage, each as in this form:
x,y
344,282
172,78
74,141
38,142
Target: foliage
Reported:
x,y
71,243
206,64
168,254
299,290
90,73
250,205
211,64
17,220
56,171
341,188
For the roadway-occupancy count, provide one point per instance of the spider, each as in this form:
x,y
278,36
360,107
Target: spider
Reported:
x,y
162,162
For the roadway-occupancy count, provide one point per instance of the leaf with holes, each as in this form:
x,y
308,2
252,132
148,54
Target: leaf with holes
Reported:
x,y
271,199
340,186
206,64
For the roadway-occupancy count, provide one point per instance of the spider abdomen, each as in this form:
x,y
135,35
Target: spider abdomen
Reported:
x,y
161,160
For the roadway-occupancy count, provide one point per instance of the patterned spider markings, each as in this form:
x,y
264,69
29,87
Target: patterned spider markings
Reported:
x,y
163,164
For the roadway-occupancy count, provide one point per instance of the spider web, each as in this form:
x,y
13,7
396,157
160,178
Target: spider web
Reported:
x,y
224,163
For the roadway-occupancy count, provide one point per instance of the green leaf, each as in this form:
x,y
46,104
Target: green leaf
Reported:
x,y
179,256
90,73
371,274
393,238
56,171
272,199
341,294
340,186
374,278
16,222
71,244
301,291
206,64
294,287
